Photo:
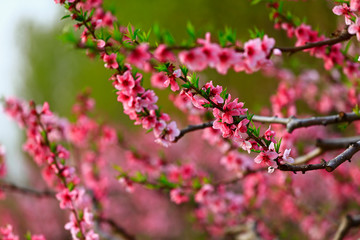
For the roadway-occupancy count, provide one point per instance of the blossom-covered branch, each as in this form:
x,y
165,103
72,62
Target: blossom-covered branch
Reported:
x,y
328,166
291,123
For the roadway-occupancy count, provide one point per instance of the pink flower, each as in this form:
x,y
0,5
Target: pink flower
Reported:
x,y
232,161
171,131
355,29
269,134
6,233
46,109
127,184
194,59
267,44
100,44
178,196
214,92
201,195
286,157
91,235
110,61
226,58
150,120
124,82
267,156
67,198
253,54
246,146
139,56
171,81
343,10
158,80
231,109
355,5
241,127
62,152
163,54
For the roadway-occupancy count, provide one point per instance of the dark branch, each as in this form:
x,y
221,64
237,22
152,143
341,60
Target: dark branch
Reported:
x,y
302,168
328,166
291,123
191,128
346,224
295,123
116,228
344,36
337,143
342,157
27,191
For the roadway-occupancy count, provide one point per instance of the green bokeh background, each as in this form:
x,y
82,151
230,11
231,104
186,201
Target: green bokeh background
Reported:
x,y
55,71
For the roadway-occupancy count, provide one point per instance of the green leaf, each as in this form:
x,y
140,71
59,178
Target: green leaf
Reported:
x,y
157,32
28,236
162,180
277,145
139,177
70,186
64,17
118,168
207,105
356,110
230,35
194,80
168,39
191,30
163,67
254,2
196,184
186,85
53,147
223,94
184,70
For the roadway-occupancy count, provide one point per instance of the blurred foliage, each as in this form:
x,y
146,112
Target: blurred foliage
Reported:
x,y
55,72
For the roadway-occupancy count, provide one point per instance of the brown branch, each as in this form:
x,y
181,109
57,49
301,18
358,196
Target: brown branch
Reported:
x,y
295,123
191,128
27,191
301,168
342,157
328,166
116,228
337,143
346,224
291,123
344,36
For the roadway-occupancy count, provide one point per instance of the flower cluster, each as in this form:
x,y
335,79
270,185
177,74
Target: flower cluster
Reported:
x,y
140,105
43,131
255,56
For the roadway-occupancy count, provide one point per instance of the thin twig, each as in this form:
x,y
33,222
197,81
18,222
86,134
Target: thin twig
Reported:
x,y
346,224
118,229
336,143
344,36
191,128
27,191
